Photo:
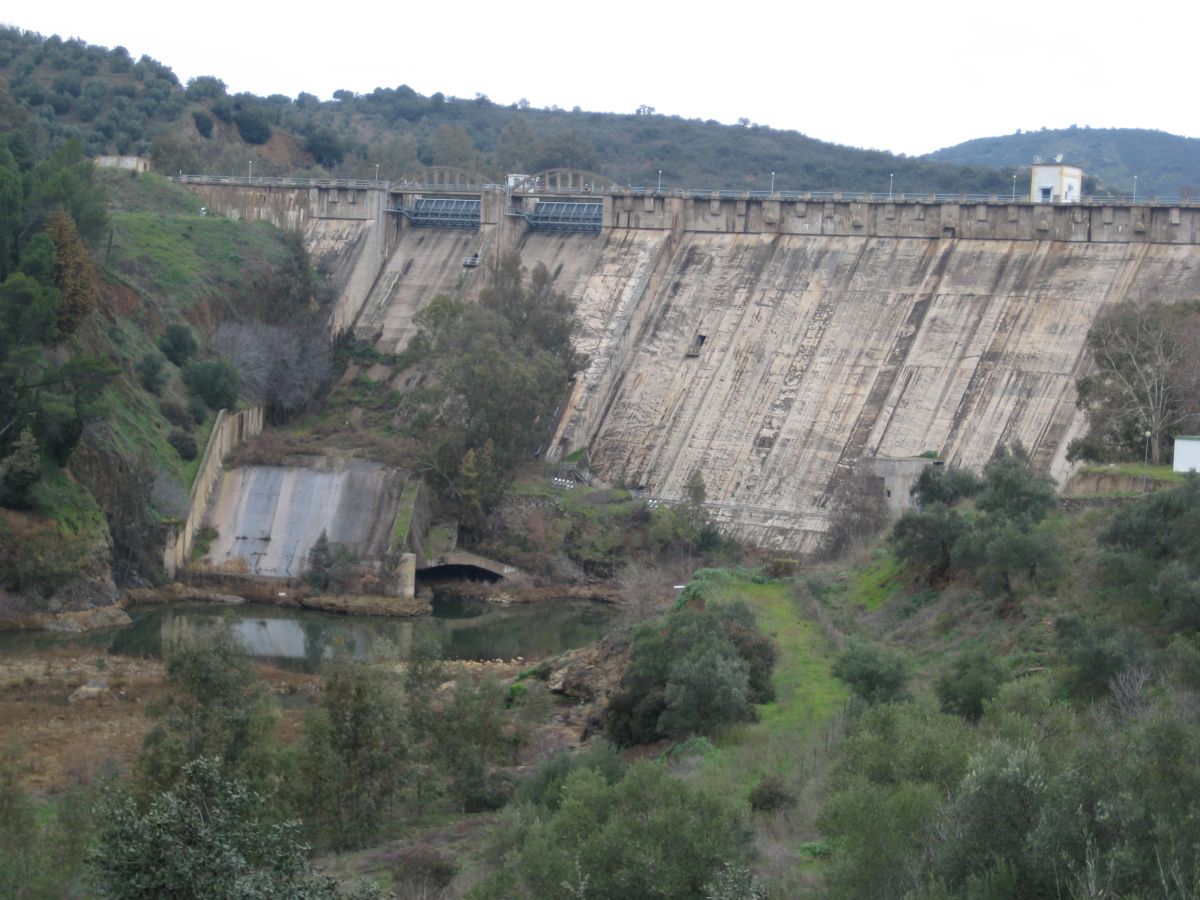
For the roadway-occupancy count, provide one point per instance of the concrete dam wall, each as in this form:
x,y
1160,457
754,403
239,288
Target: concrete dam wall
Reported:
x,y
773,343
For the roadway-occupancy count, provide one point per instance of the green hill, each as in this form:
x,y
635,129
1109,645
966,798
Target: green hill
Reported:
x,y
1166,164
115,104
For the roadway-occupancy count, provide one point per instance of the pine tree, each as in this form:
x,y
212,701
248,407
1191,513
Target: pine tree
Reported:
x,y
20,471
73,272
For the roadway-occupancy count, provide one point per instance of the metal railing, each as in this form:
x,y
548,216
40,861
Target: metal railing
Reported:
x,y
686,193
361,184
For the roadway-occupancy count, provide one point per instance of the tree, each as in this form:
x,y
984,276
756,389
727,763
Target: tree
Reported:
x,y
216,706
1147,378
325,147
354,757
859,512
1012,491
20,471
210,836
215,381
150,372
648,835
925,540
66,179
564,150
450,145
875,673
178,344
937,484
73,272
972,678
515,147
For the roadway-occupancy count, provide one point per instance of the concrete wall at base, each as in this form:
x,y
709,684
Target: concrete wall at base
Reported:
x,y
228,431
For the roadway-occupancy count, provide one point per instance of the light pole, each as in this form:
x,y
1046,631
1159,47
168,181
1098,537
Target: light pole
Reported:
x,y
1146,462
772,182
660,180
250,177
1014,196
891,176
376,171
1135,189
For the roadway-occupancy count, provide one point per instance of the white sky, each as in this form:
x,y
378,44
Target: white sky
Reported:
x,y
909,77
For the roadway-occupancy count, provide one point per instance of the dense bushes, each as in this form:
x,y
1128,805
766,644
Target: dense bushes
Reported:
x,y
648,834
694,672
1038,801
1152,553
1003,541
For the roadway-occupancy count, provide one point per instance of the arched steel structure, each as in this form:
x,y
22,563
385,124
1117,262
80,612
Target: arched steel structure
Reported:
x,y
564,181
443,177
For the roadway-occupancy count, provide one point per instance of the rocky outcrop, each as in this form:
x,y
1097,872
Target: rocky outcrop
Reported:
x,y
591,675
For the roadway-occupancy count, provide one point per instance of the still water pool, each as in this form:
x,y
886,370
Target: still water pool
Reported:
x,y
301,639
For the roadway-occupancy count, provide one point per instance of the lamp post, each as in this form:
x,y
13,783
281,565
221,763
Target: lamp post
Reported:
x,y
250,177
1135,189
1014,196
660,180
891,176
376,171
1146,462
772,182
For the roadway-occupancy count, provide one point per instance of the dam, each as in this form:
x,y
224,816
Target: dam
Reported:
x,y
768,340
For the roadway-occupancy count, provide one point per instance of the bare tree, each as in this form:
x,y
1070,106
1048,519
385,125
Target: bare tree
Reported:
x,y
281,367
1146,377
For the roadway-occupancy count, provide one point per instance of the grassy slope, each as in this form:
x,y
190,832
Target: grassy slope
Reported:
x,y
168,264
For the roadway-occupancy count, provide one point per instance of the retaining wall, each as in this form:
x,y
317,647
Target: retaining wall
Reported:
x,y
229,430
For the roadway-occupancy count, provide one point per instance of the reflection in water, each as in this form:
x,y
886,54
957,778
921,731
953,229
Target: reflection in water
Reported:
x,y
300,639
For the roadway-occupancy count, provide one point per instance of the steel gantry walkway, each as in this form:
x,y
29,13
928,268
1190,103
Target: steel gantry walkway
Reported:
x,y
443,212
560,215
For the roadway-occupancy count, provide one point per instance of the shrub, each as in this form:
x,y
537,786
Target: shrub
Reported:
x,y
424,871
648,835
177,414
972,678
252,125
771,794
20,471
150,372
875,673
329,566
214,381
544,787
198,410
695,671
204,123
184,444
178,344
208,830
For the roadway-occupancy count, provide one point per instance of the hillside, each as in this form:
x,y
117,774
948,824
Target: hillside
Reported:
x,y
117,105
112,419
1166,164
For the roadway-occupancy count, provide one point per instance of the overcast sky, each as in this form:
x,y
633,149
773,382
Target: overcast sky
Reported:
x,y
909,77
